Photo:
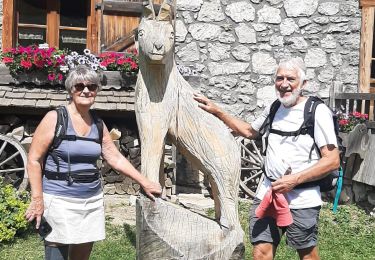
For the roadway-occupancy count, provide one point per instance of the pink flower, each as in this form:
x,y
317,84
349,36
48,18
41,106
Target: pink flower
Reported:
x,y
51,77
7,60
26,64
60,77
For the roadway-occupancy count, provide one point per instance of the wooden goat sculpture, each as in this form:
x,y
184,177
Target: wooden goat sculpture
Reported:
x,y
165,106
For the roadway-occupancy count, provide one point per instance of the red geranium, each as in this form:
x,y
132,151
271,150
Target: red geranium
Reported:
x,y
347,122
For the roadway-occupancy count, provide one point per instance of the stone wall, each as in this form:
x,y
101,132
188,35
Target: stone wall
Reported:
x,y
235,45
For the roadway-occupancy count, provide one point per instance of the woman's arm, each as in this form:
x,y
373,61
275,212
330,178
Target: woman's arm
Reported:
x,y
119,163
42,139
238,126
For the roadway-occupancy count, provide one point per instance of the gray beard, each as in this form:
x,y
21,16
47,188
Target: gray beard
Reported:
x,y
290,100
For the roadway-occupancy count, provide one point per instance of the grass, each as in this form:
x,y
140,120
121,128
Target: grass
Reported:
x,y
346,235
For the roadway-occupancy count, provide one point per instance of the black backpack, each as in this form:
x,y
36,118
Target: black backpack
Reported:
x,y
327,183
60,135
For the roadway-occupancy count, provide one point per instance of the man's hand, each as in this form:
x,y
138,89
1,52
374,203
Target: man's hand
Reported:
x,y
35,211
285,184
206,104
151,189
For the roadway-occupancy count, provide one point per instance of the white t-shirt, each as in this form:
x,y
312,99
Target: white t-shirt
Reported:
x,y
293,151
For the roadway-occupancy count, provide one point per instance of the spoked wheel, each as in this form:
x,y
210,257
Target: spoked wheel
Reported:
x,y
13,160
251,166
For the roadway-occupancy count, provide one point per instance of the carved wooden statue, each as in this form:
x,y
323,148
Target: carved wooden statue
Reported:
x,y
165,106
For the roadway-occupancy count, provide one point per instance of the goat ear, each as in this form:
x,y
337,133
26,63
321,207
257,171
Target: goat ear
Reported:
x,y
167,11
148,10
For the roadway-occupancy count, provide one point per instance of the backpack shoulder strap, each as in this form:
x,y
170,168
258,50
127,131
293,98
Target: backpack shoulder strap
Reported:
x,y
61,126
267,124
99,125
309,115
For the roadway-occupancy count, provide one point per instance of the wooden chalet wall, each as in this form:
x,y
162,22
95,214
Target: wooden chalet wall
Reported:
x,y
110,24
118,23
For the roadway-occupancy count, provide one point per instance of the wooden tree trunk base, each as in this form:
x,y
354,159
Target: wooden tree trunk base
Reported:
x,y
167,231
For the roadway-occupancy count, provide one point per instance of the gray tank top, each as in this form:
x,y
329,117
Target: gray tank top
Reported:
x,y
83,156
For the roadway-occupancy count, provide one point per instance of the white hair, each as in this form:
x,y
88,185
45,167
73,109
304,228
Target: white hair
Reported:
x,y
297,64
79,74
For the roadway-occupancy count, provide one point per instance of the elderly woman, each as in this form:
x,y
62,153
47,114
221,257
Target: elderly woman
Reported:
x,y
65,184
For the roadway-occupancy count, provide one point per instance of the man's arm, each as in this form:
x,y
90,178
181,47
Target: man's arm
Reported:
x,y
329,161
238,126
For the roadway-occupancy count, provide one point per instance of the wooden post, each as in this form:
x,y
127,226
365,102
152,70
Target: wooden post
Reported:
x,y
9,26
53,23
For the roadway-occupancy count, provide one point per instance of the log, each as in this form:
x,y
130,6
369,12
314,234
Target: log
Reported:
x,y
166,231
115,134
165,110
4,129
17,133
26,142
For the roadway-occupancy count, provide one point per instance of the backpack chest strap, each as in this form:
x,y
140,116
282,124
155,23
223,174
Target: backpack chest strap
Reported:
x,y
75,138
301,131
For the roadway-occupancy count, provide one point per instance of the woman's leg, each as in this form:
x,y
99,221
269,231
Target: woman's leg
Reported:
x,y
55,251
80,251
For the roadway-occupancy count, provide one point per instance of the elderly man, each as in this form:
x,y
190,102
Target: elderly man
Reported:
x,y
289,162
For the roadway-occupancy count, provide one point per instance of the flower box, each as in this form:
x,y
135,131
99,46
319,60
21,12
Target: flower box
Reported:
x,y
35,77
42,65
118,79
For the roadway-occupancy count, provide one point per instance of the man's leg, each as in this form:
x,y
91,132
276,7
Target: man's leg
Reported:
x,y
264,235
264,251
80,251
310,253
302,235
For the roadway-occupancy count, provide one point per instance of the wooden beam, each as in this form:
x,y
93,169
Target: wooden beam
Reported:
x,y
366,49
364,3
93,26
8,34
135,8
357,96
53,23
123,42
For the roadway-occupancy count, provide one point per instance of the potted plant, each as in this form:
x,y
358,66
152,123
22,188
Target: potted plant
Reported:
x,y
120,69
35,64
353,131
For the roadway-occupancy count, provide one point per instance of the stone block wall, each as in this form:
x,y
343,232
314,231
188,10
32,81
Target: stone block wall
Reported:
x,y
235,45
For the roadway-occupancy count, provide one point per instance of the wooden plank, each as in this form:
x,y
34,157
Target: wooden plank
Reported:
x,y
124,8
53,23
360,96
366,49
81,29
366,3
123,42
8,33
93,27
28,25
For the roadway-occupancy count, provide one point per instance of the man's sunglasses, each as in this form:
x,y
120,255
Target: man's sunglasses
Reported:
x,y
80,87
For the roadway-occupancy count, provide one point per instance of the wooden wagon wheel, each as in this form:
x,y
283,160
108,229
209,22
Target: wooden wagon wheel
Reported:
x,y
13,160
251,166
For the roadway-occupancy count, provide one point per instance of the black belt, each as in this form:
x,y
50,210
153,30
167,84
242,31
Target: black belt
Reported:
x,y
82,177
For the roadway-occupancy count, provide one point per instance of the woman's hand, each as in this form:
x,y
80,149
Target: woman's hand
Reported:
x,y
35,211
206,104
151,189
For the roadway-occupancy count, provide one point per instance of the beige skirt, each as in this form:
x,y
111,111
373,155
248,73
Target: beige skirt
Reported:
x,y
74,220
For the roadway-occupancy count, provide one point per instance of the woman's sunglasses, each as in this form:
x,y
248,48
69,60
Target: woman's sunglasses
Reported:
x,y
80,87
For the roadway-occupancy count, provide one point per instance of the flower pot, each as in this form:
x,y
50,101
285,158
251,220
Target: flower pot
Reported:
x,y
118,80
34,77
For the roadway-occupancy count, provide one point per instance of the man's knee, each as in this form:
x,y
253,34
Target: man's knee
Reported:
x,y
310,253
263,251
